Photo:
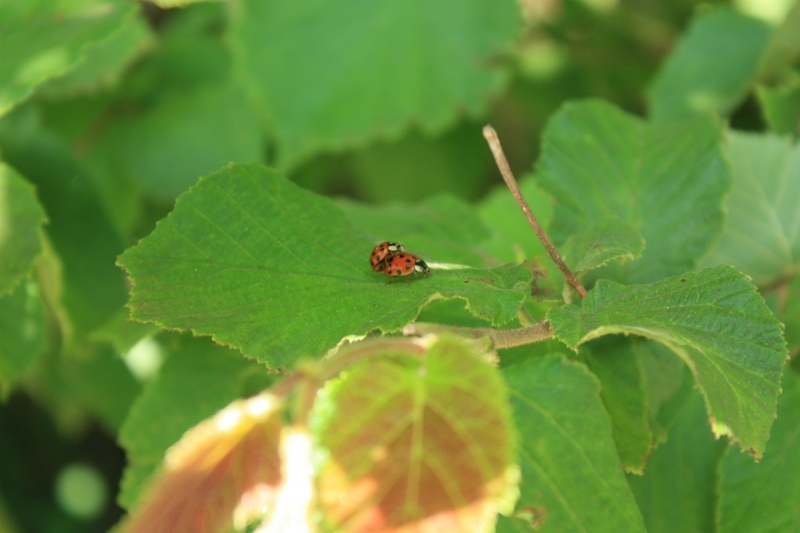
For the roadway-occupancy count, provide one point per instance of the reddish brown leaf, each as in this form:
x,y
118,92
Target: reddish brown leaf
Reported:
x,y
225,468
418,443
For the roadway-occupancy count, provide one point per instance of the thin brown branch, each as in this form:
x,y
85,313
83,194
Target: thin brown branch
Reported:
x,y
500,338
505,170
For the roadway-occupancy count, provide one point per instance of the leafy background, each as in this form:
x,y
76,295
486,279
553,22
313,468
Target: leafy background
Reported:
x,y
111,110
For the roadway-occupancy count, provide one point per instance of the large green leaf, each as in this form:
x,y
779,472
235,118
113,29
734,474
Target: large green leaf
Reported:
x,y
664,374
96,383
789,314
42,40
764,497
187,134
22,331
122,333
279,272
712,67
512,238
328,75
196,380
571,476
676,492
418,166
416,440
21,218
762,233
104,61
79,230
716,322
443,226
784,45
667,181
781,107
602,241
616,364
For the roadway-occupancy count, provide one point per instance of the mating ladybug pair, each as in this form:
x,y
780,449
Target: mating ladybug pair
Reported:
x,y
391,259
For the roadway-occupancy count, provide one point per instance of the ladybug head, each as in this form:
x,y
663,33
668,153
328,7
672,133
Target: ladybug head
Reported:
x,y
420,266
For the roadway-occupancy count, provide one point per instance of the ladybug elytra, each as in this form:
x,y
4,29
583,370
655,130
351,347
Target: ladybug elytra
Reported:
x,y
382,252
403,264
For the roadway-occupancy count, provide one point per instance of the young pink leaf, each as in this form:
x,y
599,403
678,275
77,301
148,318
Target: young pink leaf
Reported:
x,y
224,468
416,442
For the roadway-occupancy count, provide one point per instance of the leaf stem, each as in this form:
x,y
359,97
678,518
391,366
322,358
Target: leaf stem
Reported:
x,y
505,170
500,338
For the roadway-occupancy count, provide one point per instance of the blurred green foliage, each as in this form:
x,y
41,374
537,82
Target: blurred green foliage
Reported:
x,y
109,110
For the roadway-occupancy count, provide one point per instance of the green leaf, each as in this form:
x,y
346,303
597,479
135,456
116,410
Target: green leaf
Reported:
x,y
571,477
279,272
762,234
444,226
369,69
418,166
102,383
122,333
602,241
512,239
196,380
667,181
676,492
781,107
712,67
416,439
616,364
187,134
762,497
21,218
43,40
104,61
96,383
663,376
789,314
22,332
784,46
79,230
716,322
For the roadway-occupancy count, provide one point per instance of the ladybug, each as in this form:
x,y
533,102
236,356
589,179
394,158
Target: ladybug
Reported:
x,y
403,264
382,252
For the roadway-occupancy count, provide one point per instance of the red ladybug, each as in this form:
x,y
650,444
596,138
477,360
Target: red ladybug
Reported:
x,y
403,264
382,252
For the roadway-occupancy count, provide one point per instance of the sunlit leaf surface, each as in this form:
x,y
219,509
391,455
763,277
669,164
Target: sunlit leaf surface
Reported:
x,y
571,474
223,463
666,181
280,273
416,442
716,322
333,74
762,232
762,497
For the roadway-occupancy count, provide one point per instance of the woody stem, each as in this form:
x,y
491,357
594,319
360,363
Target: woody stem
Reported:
x,y
505,170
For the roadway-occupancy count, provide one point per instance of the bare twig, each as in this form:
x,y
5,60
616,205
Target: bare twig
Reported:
x,y
505,170
500,338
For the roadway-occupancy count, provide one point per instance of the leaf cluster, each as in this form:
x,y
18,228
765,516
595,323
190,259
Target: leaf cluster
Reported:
x,y
177,263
